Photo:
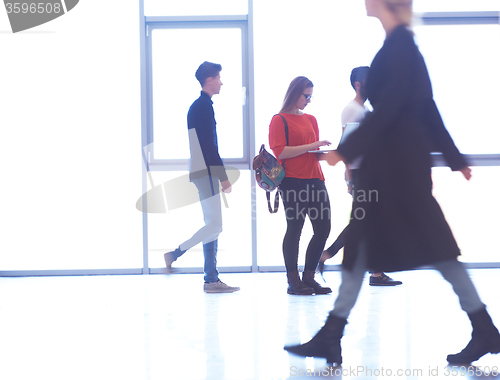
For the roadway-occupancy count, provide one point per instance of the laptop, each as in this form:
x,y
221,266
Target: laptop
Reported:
x,y
348,129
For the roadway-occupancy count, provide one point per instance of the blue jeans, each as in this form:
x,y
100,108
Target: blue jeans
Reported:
x,y
208,190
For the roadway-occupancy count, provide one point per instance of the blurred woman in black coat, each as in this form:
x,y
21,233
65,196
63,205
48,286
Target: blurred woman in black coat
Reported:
x,y
396,222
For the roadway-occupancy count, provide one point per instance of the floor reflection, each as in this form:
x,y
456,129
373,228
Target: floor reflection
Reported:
x,y
164,327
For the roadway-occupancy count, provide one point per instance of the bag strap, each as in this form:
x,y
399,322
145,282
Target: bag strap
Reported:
x,y
286,131
286,127
276,202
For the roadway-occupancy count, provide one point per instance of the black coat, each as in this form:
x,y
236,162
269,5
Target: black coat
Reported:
x,y
394,210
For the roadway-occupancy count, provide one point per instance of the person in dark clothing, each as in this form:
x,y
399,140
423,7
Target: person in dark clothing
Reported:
x,y
354,112
206,171
402,226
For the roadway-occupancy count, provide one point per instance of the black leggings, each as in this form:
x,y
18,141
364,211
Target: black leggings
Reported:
x,y
339,243
303,197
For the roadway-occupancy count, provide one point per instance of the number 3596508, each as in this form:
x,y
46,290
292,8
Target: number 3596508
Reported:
x,y
33,8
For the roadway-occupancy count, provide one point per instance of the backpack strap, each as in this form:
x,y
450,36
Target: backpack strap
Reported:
x,y
276,202
286,128
286,131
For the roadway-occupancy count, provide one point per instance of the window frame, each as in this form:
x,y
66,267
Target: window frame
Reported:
x,y
463,18
196,22
151,164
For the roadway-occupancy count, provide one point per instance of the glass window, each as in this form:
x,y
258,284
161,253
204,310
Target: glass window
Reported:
x,y
195,7
330,38
338,37
471,209
177,53
168,230
463,62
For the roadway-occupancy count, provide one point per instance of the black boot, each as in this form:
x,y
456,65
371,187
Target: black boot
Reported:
x,y
485,339
296,286
326,342
308,279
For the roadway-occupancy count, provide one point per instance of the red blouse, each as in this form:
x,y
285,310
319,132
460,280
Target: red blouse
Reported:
x,y
302,129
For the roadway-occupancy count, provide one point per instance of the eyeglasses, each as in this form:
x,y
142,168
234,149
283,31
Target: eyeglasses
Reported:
x,y
308,97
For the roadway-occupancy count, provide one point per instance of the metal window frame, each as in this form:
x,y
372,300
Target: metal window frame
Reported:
x,y
459,18
196,22
245,24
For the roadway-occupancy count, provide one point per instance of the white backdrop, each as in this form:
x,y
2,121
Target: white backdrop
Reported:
x,y
70,140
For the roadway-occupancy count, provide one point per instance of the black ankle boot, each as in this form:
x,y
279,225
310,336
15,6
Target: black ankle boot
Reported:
x,y
326,342
308,279
485,339
296,286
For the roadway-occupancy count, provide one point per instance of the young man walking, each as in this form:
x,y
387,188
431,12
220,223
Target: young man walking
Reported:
x,y
206,171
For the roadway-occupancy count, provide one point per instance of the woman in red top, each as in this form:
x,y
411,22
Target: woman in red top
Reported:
x,y
303,189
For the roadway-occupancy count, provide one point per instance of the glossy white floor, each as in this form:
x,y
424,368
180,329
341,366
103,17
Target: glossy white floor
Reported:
x,y
165,327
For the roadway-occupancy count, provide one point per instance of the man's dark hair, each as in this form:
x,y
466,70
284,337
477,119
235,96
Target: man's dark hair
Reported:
x,y
359,74
207,70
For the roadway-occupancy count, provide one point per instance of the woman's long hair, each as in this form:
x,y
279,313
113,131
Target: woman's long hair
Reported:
x,y
294,92
403,9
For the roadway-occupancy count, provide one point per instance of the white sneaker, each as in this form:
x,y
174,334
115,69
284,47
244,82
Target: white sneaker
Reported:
x,y
219,287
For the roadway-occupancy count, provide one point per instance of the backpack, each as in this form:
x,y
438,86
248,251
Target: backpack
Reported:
x,y
269,172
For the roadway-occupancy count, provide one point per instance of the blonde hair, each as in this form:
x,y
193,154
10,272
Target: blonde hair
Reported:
x,y
402,9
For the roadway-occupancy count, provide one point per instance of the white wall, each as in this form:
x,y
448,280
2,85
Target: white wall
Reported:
x,y
70,140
